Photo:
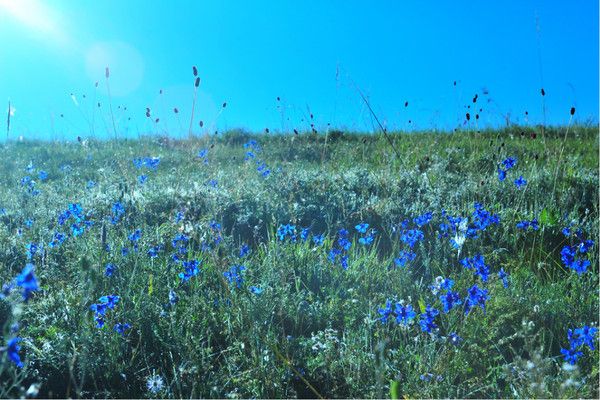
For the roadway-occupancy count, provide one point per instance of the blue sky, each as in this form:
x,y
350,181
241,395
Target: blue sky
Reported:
x,y
313,55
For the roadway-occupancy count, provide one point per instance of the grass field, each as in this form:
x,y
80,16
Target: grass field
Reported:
x,y
293,266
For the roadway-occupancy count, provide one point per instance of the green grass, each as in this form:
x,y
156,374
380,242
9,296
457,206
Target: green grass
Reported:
x,y
315,329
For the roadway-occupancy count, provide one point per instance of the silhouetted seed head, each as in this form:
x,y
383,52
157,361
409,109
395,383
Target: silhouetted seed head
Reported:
x,y
476,116
62,115
543,92
536,156
266,130
197,83
156,120
216,132
201,124
410,121
522,133
278,98
83,96
96,84
526,113
98,104
406,104
572,110
311,116
295,131
533,135
212,145
160,91
79,139
482,183
468,116
454,83
481,109
175,110
502,145
107,73
224,104
475,98
195,70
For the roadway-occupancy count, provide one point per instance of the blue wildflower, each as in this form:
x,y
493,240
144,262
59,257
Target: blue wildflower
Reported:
x,y
27,281
202,153
142,179
385,312
509,162
234,275
411,237
404,257
520,181
191,268
110,300
404,314
244,250
423,219
110,269
154,250
117,210
475,297
12,350
525,225
32,249
571,355
57,240
455,339
287,230
501,174
362,227
256,290
43,175
503,276
120,328
367,240
583,336
477,263
449,300
304,234
427,320
318,239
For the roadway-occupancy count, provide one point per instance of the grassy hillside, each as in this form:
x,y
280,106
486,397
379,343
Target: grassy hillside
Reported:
x,y
244,266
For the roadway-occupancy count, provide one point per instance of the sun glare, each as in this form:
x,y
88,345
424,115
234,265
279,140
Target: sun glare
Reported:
x,y
37,17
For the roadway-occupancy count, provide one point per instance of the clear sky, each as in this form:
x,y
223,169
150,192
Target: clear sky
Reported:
x,y
313,55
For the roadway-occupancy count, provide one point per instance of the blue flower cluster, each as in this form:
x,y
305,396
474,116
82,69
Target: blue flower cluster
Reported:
x,y
573,256
148,162
104,304
117,212
75,212
234,275
368,235
580,337
253,150
340,249
477,264
525,225
507,164
403,313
